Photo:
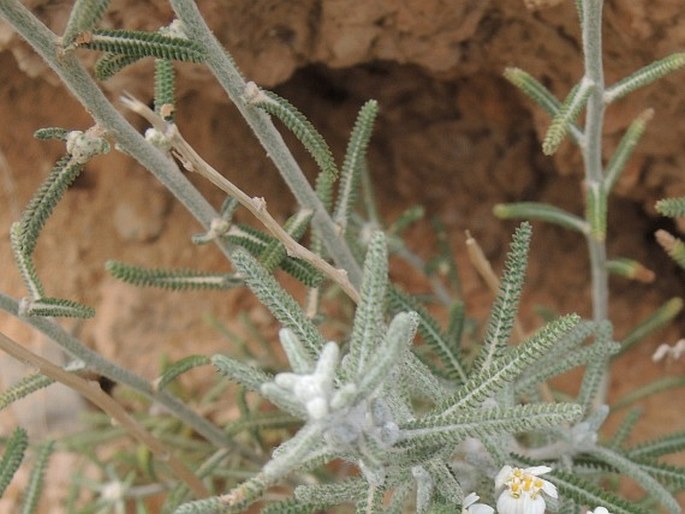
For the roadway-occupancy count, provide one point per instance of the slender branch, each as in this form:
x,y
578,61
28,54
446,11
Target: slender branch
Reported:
x,y
592,151
592,158
192,161
228,75
99,364
109,406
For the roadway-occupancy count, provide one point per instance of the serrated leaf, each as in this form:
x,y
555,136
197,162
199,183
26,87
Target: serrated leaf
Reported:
x,y
141,44
179,367
23,388
35,486
354,158
505,306
109,64
585,493
569,111
174,279
369,320
301,127
431,333
451,428
505,369
55,307
85,14
281,304
15,447
644,76
165,89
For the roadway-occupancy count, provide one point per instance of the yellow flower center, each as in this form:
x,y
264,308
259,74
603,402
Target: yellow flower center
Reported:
x,y
520,482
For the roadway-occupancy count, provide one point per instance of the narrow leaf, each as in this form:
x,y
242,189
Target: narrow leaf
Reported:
x,y
281,304
505,307
573,104
543,212
109,64
35,486
297,123
165,103
631,269
23,388
661,317
674,246
625,149
671,207
355,156
55,307
368,322
645,76
179,367
141,44
15,447
175,279
85,14
596,210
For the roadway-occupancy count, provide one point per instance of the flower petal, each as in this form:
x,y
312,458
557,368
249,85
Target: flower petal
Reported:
x,y
502,476
538,470
480,508
470,499
551,490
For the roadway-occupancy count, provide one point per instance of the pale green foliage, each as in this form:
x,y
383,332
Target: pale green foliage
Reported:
x,y
35,485
139,44
23,388
15,447
645,76
421,422
541,211
84,16
174,279
568,112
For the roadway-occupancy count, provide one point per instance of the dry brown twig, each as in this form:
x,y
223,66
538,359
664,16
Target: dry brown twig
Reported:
x,y
192,161
110,406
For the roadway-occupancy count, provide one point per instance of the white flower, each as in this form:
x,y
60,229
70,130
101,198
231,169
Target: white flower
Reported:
x,y
521,490
471,507
599,510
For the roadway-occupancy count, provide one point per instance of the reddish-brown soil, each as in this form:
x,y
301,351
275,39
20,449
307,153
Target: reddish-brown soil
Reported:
x,y
452,135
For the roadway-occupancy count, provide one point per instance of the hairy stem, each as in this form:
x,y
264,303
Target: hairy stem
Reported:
x,y
229,77
592,158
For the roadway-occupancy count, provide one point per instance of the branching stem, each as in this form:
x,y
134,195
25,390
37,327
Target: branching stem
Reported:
x,y
592,158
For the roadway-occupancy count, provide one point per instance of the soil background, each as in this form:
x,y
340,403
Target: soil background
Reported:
x,y
452,135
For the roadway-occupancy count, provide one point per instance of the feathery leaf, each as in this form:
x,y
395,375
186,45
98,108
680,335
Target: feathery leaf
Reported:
x,y
35,486
506,303
355,156
644,76
174,279
85,14
674,246
179,367
281,305
369,317
164,89
15,447
625,149
109,64
141,44
23,388
298,124
570,109
671,207
55,308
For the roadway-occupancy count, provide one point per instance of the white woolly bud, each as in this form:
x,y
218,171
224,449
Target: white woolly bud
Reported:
x,y
83,146
156,138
